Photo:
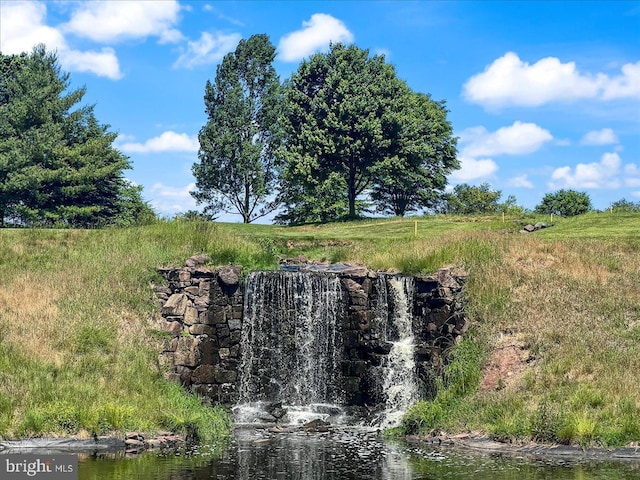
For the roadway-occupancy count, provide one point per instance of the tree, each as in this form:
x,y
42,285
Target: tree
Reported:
x,y
471,200
624,205
351,124
566,203
340,115
415,175
57,165
236,171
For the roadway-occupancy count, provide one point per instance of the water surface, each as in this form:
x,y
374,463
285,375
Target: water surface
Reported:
x,y
350,453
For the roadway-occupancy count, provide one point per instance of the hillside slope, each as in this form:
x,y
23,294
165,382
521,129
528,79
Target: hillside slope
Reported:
x,y
552,356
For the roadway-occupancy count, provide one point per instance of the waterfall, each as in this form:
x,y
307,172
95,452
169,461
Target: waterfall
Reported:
x,y
291,345
399,383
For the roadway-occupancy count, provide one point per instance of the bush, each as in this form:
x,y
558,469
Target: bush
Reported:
x,y
565,203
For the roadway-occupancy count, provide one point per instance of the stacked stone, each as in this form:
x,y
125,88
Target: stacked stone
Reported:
x,y
438,320
202,312
362,339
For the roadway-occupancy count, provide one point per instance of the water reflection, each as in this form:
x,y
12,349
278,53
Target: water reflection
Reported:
x,y
342,454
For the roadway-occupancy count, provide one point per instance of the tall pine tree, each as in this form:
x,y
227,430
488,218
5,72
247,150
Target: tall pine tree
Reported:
x,y
58,166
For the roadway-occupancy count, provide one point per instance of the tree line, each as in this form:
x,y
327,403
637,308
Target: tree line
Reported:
x,y
58,166
342,136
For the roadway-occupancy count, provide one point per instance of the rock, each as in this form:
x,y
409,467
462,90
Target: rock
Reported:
x,y
230,275
132,442
176,305
540,225
174,328
317,425
276,410
197,260
529,228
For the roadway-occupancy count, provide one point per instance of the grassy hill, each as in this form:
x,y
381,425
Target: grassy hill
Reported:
x,y
553,355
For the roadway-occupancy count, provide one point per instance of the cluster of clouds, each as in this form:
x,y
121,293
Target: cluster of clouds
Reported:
x,y
478,147
24,24
509,81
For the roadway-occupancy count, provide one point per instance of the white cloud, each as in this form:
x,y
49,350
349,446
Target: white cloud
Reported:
x,y
626,85
169,200
167,142
103,64
606,136
207,49
510,81
472,169
603,174
631,175
517,139
521,181
316,34
23,26
117,21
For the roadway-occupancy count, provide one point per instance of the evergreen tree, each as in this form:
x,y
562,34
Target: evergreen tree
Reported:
x,y
236,172
57,164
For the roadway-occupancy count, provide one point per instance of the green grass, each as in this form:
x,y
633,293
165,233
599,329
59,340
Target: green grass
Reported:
x,y
77,321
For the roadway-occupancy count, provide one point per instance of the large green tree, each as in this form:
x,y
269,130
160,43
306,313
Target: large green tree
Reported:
x,y
236,172
57,163
350,126
413,175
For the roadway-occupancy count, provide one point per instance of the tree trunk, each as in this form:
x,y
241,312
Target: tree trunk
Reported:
x,y
351,195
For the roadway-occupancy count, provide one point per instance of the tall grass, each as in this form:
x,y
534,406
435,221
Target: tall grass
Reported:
x,y
76,311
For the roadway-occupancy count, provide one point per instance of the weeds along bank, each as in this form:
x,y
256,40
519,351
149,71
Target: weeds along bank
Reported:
x,y
76,313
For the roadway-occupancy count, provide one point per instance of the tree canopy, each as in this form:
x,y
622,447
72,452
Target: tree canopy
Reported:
x,y
351,127
566,203
57,164
471,200
236,172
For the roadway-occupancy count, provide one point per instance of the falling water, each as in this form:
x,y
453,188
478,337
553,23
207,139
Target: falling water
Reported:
x,y
291,345
399,380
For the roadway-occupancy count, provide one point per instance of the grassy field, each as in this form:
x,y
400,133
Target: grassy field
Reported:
x,y
78,351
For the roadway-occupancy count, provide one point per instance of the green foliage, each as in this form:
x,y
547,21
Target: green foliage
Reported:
x,y
624,205
471,200
57,165
236,171
351,125
566,203
413,174
460,379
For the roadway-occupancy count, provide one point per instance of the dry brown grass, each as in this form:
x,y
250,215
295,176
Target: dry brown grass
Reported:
x,y
31,317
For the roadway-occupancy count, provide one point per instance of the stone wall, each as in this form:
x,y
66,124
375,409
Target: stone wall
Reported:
x,y
202,311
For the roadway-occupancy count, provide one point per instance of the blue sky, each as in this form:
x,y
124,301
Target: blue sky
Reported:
x,y
542,94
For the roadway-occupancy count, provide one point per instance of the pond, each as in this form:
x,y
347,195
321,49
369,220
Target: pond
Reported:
x,y
346,453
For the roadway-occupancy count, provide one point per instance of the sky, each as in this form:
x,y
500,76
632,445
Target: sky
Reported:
x,y
543,95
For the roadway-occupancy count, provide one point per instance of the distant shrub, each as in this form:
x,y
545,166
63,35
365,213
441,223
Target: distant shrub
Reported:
x,y
565,203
